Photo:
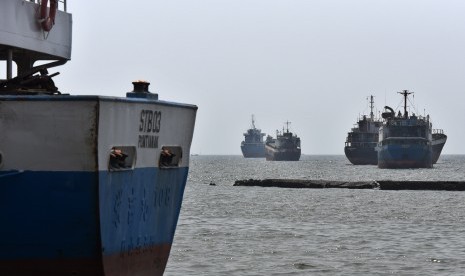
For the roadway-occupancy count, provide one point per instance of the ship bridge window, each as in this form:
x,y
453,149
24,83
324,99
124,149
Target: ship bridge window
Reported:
x,y
170,157
122,158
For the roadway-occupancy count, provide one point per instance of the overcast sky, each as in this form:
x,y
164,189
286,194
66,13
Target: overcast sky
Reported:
x,y
312,62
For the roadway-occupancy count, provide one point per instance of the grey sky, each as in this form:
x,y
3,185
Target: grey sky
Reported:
x,y
312,62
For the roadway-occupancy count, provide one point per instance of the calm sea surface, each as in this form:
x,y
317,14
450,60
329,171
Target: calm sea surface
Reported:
x,y
227,230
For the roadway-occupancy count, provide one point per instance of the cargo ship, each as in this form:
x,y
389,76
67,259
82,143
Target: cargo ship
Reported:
x,y
285,147
253,145
361,140
89,185
405,141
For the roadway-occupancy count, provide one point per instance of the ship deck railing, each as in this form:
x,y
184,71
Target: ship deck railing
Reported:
x,y
438,131
408,122
361,144
62,5
404,140
252,143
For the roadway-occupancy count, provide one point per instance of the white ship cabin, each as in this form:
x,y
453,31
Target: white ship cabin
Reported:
x,y
34,35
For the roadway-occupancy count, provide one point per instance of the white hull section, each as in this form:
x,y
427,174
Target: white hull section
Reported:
x,y
77,133
82,211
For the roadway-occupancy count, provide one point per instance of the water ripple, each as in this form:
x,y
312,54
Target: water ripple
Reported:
x,y
226,230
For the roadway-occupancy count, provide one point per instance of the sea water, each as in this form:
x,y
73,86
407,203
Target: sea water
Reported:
x,y
229,230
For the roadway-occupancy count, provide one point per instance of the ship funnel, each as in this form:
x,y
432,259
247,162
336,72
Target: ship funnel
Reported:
x,y
141,90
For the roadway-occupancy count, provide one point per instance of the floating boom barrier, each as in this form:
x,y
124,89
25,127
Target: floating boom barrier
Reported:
x,y
373,184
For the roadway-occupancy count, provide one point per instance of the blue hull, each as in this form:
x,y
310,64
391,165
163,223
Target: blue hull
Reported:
x,y
405,156
89,223
256,150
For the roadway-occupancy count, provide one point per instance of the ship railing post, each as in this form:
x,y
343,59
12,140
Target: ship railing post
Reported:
x,y
9,65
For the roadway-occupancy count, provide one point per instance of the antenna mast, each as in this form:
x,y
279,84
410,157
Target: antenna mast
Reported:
x,y
287,126
371,107
405,93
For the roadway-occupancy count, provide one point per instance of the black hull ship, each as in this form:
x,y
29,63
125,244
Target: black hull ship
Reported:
x,y
286,146
361,140
253,145
405,141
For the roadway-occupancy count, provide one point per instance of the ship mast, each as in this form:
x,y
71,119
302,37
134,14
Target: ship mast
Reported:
x,y
287,126
372,116
405,93
253,122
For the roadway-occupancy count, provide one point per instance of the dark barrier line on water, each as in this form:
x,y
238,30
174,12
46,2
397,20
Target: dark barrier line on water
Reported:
x,y
380,184
422,185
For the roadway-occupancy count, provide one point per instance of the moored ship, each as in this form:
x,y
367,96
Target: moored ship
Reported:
x,y
405,141
253,145
286,146
361,140
89,185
